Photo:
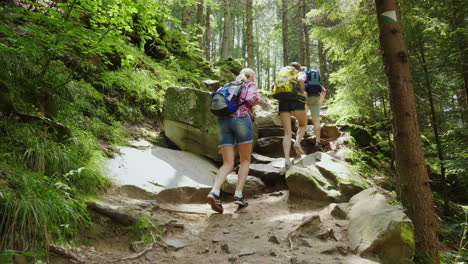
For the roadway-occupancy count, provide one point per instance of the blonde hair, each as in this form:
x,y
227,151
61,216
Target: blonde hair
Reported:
x,y
246,74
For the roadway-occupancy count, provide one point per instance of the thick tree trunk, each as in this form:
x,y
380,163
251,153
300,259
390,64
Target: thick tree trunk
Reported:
x,y
199,25
249,34
226,49
207,40
284,16
413,182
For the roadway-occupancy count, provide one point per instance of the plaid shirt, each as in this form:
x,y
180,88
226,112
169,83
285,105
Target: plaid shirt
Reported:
x,y
249,96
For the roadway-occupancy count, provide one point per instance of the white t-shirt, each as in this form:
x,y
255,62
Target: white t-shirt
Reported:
x,y
301,76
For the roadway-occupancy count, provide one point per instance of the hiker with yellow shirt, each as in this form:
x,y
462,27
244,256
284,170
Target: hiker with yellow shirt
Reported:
x,y
290,92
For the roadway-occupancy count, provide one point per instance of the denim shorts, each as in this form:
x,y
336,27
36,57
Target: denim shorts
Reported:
x,y
235,130
290,106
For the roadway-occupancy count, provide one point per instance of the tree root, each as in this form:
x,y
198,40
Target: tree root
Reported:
x,y
113,213
64,253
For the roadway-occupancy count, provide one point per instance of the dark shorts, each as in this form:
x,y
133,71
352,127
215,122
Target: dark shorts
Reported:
x,y
290,106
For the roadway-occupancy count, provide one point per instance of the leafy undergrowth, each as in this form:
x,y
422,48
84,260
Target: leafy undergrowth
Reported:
x,y
70,84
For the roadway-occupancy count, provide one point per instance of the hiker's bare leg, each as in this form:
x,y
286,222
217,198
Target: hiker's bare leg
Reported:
x,y
286,122
228,165
245,152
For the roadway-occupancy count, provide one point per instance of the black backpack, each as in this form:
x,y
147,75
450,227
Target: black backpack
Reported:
x,y
312,82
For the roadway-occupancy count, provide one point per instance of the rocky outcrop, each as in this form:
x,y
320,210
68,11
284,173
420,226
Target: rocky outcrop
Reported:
x,y
189,123
377,228
252,185
342,177
310,184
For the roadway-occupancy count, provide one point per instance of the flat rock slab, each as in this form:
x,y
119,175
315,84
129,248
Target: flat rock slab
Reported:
x,y
155,169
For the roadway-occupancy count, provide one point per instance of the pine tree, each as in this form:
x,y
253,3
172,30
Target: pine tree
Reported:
x,y
413,182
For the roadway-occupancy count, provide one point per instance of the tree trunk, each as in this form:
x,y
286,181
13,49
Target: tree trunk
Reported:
x,y
324,69
459,23
199,25
301,25
226,49
435,128
207,40
306,35
187,16
249,34
413,183
284,15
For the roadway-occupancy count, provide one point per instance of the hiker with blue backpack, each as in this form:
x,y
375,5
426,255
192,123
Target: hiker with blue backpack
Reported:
x,y
315,96
289,90
233,104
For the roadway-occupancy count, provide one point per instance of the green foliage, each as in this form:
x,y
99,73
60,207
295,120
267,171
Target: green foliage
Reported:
x,y
71,79
148,229
35,208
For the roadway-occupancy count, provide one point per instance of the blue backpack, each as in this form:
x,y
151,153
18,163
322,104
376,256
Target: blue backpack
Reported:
x,y
312,82
225,100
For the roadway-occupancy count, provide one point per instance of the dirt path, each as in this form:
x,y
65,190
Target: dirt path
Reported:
x,y
259,233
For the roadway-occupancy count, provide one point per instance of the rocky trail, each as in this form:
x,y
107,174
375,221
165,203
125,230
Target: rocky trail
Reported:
x,y
321,211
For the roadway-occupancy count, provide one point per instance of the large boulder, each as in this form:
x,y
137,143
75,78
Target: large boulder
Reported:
x,y
310,184
362,136
330,132
268,173
342,176
252,185
189,123
272,147
379,229
266,118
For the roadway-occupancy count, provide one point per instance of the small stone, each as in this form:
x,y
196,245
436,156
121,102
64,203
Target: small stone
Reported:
x,y
272,253
276,194
251,222
274,239
226,232
293,260
246,252
257,237
203,251
340,250
232,259
175,244
151,256
225,248
216,240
